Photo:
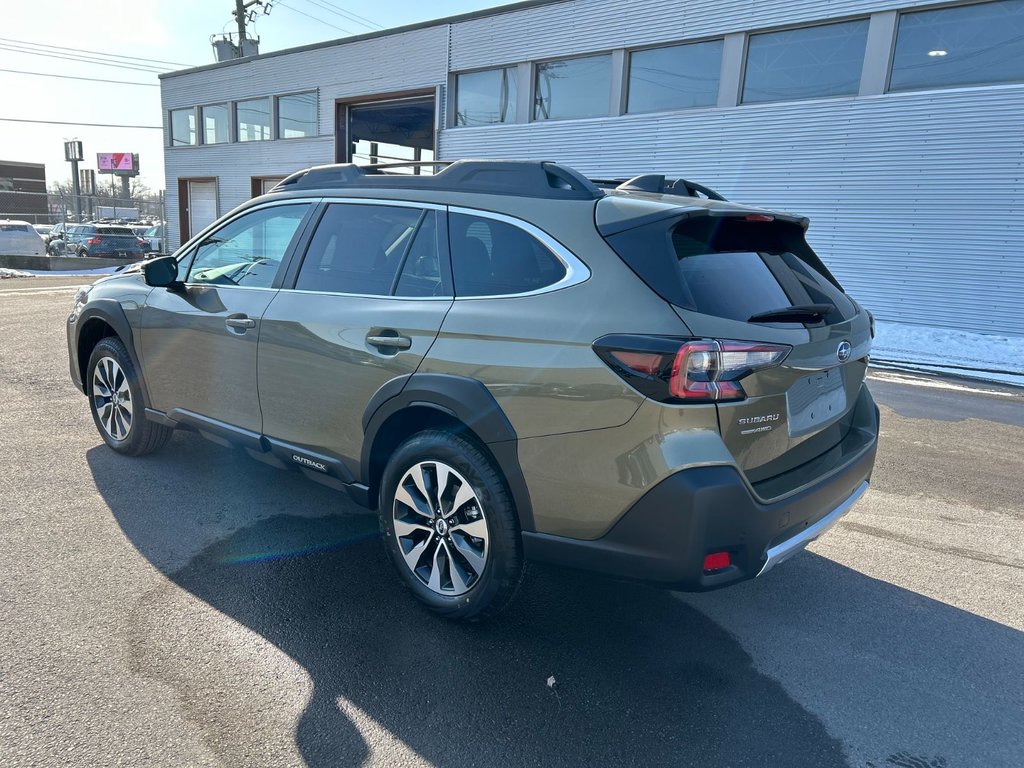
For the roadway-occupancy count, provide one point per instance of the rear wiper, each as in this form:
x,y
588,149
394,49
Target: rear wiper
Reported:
x,y
804,313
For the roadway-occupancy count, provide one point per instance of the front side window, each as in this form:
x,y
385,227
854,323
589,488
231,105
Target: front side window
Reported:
x,y
573,88
373,250
967,45
484,98
494,258
215,120
252,120
296,116
677,77
807,63
249,250
183,127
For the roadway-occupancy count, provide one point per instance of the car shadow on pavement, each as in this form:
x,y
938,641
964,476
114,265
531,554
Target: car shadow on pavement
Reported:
x,y
640,677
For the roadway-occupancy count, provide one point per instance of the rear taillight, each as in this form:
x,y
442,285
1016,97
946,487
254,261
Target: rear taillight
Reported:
x,y
687,370
94,240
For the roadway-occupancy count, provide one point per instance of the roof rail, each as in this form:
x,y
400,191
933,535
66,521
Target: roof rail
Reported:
x,y
658,184
523,178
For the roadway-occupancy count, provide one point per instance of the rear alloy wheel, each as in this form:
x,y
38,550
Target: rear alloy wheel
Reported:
x,y
450,526
116,401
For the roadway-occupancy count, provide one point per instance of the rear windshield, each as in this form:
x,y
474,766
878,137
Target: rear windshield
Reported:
x,y
14,228
731,267
114,231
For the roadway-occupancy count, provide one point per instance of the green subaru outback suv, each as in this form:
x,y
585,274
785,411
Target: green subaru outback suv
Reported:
x,y
509,362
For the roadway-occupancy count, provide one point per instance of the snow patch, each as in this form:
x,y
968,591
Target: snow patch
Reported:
x,y
944,350
5,273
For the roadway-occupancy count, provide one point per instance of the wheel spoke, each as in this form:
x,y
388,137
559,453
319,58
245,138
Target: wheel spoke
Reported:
x,y
404,528
98,385
421,508
418,477
475,528
462,496
435,571
475,559
458,583
412,557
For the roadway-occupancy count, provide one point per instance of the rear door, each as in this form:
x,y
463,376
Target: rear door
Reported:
x,y
363,307
199,342
728,275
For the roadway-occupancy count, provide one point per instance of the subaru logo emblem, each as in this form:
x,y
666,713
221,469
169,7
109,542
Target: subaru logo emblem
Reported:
x,y
843,353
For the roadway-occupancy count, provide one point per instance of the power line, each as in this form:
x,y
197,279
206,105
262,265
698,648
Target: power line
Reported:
x,y
338,11
314,18
73,77
352,14
98,53
82,59
84,125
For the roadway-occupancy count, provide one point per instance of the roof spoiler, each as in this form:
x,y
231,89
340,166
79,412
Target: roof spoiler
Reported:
x,y
656,183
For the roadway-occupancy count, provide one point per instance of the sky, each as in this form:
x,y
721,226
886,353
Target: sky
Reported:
x,y
164,34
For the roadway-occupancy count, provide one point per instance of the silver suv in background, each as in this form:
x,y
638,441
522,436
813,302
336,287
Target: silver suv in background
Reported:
x,y
507,361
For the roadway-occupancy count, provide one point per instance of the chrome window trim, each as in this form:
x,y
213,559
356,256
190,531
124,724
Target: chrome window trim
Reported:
x,y
576,271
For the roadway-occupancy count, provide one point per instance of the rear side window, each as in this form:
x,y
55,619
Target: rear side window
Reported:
x,y
494,258
731,267
363,249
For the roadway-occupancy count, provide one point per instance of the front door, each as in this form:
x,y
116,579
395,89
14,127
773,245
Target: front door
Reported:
x,y
366,306
199,342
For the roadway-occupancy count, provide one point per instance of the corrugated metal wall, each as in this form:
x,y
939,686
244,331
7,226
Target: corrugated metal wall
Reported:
x,y
915,198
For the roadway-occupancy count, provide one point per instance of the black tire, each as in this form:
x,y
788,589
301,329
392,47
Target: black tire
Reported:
x,y
503,571
138,435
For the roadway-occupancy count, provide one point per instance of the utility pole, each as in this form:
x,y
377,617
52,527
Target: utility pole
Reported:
x,y
73,154
241,17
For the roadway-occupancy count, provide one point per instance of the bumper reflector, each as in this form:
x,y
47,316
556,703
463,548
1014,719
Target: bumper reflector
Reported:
x,y
716,561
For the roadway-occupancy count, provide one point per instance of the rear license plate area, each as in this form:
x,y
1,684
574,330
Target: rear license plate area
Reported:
x,y
815,399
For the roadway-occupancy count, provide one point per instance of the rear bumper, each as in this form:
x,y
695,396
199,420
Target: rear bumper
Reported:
x,y
663,537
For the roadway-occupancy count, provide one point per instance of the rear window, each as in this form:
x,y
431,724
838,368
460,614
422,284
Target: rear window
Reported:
x,y
14,228
731,268
114,231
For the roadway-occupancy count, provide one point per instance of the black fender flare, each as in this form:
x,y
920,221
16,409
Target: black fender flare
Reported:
x,y
111,313
465,399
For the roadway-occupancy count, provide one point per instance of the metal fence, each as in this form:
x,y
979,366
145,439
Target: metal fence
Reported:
x,y
54,207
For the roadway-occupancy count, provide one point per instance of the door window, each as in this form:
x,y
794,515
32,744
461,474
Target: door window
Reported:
x,y
362,250
494,258
249,250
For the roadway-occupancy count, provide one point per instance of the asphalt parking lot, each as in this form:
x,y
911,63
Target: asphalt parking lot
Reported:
x,y
196,608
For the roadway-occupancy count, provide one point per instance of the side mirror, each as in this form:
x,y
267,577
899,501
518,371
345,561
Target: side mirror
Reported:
x,y
162,272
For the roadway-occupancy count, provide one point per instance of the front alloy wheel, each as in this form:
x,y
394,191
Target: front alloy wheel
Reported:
x,y
112,398
440,527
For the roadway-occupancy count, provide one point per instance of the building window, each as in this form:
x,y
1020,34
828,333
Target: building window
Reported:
x,y
573,88
216,118
252,120
296,116
183,127
807,63
483,98
968,45
678,77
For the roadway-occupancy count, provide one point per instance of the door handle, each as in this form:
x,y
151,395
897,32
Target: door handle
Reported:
x,y
392,342
240,321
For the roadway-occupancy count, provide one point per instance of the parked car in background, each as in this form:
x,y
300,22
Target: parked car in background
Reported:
x,y
154,237
43,230
17,238
102,240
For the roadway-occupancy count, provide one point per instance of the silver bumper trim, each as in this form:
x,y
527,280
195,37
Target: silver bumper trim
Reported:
x,y
788,548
